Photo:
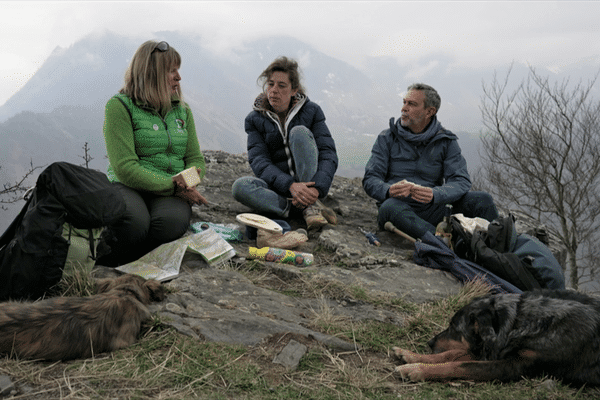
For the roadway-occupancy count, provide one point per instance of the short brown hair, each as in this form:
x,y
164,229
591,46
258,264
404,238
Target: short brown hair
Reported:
x,y
287,65
146,77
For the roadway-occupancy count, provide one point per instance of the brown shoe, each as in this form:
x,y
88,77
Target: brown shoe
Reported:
x,y
327,212
313,217
289,240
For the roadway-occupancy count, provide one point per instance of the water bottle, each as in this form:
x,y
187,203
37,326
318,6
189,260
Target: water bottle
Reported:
x,y
273,254
444,228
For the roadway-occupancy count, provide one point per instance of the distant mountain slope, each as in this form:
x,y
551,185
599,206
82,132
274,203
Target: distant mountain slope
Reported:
x,y
61,107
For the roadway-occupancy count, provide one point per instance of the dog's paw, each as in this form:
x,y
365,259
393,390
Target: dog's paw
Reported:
x,y
412,372
406,356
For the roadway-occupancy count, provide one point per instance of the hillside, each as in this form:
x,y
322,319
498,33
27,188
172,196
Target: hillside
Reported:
x,y
260,330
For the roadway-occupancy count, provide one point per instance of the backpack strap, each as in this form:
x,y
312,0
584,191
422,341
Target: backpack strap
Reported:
x,y
90,239
92,244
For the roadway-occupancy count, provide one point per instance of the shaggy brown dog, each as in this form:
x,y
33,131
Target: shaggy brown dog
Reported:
x,y
64,328
507,336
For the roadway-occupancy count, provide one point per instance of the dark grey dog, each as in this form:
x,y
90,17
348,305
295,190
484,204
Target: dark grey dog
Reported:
x,y
507,336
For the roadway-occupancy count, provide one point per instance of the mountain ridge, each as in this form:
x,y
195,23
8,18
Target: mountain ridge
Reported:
x,y
61,107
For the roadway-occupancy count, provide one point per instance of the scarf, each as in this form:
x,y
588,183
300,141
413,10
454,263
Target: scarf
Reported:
x,y
423,137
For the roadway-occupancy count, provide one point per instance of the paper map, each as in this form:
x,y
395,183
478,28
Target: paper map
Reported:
x,y
163,263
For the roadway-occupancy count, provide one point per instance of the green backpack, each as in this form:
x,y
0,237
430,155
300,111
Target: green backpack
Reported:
x,y
82,253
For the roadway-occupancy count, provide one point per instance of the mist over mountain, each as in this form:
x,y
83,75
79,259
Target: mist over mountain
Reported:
x,y
62,106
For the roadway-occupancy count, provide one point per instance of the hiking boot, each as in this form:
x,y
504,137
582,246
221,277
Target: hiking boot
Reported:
x,y
313,217
289,240
302,231
327,212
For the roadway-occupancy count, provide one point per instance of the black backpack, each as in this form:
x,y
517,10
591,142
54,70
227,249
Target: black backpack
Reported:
x,y
491,250
34,248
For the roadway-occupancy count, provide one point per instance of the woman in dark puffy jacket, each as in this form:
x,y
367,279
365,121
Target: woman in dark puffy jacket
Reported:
x,y
290,149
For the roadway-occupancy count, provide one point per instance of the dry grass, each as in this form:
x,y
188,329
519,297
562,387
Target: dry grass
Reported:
x,y
77,282
167,365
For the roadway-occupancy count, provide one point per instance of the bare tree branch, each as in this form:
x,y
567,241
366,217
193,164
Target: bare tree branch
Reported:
x,y
541,156
87,158
12,192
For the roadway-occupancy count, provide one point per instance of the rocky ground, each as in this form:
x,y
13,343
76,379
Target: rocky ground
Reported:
x,y
275,308
222,305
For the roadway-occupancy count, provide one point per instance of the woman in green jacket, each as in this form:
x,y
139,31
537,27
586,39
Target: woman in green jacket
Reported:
x,y
150,137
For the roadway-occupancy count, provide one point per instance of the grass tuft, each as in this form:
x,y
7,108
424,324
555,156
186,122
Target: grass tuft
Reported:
x,y
167,365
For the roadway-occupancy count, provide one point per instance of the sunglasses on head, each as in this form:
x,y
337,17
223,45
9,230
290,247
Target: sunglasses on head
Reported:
x,y
161,46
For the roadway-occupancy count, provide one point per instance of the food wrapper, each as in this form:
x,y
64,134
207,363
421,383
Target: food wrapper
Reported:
x,y
273,254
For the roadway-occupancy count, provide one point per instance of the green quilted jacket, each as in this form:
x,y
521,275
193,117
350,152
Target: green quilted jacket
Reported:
x,y
146,150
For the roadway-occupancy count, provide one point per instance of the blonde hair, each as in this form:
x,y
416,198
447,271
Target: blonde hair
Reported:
x,y
146,80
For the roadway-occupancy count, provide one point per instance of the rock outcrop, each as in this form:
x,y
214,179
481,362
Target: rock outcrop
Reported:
x,y
223,305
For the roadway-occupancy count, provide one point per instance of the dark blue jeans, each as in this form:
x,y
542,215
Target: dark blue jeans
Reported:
x,y
414,218
148,222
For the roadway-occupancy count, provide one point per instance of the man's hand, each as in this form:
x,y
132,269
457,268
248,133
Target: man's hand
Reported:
x,y
421,194
405,188
401,189
303,194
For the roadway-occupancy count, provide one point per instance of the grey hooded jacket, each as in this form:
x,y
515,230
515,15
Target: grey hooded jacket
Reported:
x,y
432,158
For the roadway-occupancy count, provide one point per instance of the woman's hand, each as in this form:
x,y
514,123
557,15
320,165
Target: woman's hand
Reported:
x,y
303,194
180,180
189,194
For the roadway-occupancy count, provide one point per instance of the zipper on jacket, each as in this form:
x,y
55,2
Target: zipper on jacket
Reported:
x,y
169,145
284,126
275,119
285,137
169,138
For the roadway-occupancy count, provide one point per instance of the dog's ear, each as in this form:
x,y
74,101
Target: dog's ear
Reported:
x,y
483,323
156,290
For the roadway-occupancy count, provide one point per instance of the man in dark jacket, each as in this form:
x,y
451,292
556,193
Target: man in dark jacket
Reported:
x,y
416,168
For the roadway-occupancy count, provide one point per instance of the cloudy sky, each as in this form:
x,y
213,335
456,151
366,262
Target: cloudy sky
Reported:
x,y
487,33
